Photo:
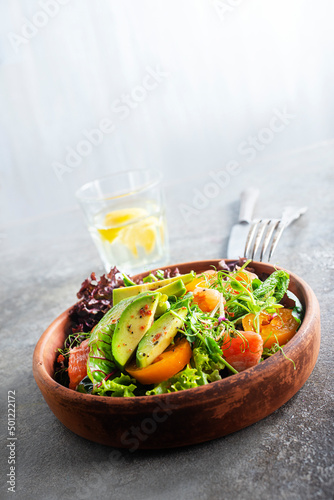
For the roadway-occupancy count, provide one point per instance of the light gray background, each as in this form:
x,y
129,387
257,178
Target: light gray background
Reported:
x,y
232,66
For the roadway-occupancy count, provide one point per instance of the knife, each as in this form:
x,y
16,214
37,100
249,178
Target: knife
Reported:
x,y
237,241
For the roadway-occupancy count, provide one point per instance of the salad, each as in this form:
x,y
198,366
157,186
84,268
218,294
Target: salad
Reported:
x,y
170,332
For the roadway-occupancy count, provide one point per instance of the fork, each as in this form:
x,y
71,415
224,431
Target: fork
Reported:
x,y
269,230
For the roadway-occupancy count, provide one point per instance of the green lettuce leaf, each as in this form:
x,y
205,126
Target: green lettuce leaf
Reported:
x,y
186,379
85,386
275,285
122,386
207,369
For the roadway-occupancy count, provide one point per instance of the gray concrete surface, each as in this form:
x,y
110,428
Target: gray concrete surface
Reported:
x,y
288,455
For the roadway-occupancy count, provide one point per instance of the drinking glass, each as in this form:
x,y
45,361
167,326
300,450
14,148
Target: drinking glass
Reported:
x,y
125,215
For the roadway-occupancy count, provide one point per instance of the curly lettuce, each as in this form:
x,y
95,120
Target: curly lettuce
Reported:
x,y
122,386
186,379
203,371
207,369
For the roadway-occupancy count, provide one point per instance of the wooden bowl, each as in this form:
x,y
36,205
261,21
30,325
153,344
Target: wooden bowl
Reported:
x,y
190,416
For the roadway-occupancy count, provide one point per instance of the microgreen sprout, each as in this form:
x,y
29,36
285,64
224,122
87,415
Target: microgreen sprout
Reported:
x,y
267,352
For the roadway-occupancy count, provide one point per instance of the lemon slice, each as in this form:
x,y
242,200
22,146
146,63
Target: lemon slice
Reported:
x,y
141,233
118,217
114,222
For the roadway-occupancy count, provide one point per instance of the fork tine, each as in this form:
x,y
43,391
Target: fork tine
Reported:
x,y
250,235
276,239
272,226
262,227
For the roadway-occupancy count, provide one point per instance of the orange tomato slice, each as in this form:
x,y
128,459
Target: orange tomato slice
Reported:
x,y
170,362
280,328
200,280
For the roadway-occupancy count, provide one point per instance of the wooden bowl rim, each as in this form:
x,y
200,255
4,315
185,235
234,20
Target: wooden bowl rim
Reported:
x,y
42,375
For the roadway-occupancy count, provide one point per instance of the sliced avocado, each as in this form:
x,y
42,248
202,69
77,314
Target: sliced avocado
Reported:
x,y
134,322
159,336
128,291
176,288
162,308
113,315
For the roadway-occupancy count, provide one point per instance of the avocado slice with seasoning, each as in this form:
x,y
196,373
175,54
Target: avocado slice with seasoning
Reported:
x,y
112,316
128,291
132,325
176,288
162,308
159,336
